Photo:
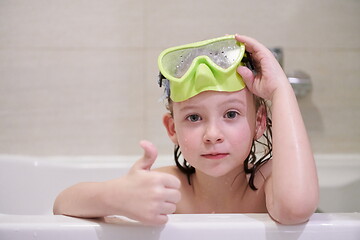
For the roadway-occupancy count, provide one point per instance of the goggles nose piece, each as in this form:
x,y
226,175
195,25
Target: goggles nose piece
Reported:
x,y
204,78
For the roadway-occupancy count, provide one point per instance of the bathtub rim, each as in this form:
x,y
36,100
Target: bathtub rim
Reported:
x,y
346,225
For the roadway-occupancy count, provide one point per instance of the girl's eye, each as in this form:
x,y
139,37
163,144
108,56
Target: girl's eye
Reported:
x,y
193,118
231,114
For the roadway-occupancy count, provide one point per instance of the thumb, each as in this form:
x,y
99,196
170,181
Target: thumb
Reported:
x,y
149,157
247,75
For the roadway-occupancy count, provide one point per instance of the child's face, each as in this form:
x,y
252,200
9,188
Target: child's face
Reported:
x,y
215,130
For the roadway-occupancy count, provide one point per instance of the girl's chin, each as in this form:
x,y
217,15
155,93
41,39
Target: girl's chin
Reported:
x,y
218,172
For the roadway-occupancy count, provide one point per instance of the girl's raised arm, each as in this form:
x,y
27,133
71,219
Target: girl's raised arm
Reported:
x,y
292,188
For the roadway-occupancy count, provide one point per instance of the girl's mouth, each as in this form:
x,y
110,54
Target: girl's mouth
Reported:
x,y
215,155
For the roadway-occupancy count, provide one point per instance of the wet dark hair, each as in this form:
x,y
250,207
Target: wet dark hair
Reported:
x,y
252,163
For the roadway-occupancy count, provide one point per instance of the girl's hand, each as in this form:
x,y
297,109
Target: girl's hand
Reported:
x,y
269,75
150,195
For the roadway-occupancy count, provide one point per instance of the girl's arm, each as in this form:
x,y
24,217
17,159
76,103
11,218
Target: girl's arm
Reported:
x,y
292,188
142,195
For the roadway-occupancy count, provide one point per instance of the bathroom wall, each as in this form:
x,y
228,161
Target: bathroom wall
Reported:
x,y
79,77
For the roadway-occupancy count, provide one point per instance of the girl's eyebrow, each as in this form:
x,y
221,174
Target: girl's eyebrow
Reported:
x,y
189,107
235,101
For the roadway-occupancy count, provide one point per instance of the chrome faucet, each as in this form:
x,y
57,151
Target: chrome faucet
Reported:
x,y
299,80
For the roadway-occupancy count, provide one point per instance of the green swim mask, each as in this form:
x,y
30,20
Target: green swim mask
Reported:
x,y
203,66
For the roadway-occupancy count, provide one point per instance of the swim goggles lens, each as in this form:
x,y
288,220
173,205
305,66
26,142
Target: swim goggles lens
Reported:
x,y
222,53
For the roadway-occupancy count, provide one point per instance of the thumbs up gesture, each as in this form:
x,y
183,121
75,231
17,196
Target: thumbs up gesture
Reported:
x,y
148,159
145,195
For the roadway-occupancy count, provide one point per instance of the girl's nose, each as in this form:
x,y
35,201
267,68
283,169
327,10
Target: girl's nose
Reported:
x,y
213,134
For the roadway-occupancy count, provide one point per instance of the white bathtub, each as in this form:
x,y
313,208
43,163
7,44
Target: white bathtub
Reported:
x,y
29,185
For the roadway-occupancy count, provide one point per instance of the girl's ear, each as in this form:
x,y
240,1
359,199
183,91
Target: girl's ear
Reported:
x,y
169,124
260,125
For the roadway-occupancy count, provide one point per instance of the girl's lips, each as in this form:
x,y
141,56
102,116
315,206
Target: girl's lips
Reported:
x,y
215,155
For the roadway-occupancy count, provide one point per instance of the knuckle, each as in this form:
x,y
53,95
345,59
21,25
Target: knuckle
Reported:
x,y
157,194
172,208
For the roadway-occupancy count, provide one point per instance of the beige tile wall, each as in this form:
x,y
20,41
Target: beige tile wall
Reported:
x,y
79,77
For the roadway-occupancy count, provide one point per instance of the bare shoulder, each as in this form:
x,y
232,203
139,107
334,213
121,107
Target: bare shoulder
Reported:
x,y
167,169
262,175
173,170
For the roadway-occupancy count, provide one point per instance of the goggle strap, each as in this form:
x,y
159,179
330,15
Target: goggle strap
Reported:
x,y
247,60
161,78
163,81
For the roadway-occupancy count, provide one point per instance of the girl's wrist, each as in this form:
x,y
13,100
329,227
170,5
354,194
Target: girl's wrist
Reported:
x,y
282,91
106,197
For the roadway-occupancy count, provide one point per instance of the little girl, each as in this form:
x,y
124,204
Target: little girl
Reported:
x,y
217,114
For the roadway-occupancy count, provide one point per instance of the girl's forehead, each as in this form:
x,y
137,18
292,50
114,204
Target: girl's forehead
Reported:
x,y
217,95
216,98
